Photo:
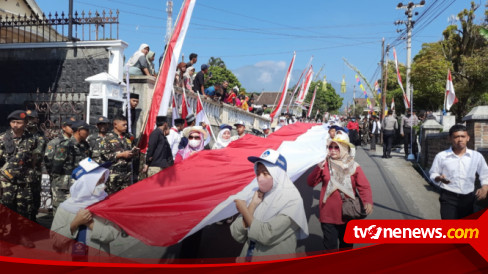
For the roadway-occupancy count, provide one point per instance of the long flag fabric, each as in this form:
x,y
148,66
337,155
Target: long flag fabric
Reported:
x,y
298,84
278,108
451,98
190,195
311,102
406,100
164,83
303,93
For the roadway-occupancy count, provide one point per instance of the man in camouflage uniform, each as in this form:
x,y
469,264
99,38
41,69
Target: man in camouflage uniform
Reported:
x,y
16,159
117,147
32,127
67,155
94,140
66,133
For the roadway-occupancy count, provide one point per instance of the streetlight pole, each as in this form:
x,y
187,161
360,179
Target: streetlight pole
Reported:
x,y
409,13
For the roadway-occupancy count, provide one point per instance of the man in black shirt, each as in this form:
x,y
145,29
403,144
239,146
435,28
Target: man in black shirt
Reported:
x,y
193,60
159,155
199,82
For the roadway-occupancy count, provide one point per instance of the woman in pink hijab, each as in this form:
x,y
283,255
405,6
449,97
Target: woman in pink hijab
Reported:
x,y
196,136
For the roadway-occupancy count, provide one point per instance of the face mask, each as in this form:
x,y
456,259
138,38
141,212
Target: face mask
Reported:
x,y
99,189
195,143
265,183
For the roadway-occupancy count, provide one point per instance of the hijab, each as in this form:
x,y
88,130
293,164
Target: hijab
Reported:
x,y
81,192
151,63
283,198
133,60
341,171
221,142
188,150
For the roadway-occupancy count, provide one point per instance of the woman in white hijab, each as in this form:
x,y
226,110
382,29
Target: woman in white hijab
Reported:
x,y
74,224
223,139
275,217
138,64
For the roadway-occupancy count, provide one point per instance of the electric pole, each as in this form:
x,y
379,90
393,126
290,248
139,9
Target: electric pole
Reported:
x,y
409,13
169,21
409,24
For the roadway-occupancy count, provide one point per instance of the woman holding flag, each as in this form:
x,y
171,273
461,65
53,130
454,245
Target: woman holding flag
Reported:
x,y
275,217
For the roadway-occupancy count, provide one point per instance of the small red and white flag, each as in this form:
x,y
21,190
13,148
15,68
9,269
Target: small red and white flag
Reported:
x,y
392,103
451,98
305,86
172,212
406,100
202,117
164,83
311,102
278,108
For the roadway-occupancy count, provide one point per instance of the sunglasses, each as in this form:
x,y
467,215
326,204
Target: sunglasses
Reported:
x,y
333,147
194,138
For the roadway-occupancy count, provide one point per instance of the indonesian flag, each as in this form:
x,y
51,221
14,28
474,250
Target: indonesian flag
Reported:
x,y
185,110
278,108
164,82
175,115
392,103
451,98
298,84
406,100
184,198
202,117
305,86
311,102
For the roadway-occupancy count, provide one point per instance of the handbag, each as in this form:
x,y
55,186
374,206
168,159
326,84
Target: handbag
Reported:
x,y
352,209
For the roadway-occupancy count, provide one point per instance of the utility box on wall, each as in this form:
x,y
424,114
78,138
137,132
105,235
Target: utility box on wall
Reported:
x,y
106,97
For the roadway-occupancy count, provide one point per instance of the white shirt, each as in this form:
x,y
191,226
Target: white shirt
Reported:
x,y
376,124
461,171
174,140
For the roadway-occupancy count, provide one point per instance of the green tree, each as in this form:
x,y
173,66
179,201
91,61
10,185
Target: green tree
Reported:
x,y
326,100
216,62
221,74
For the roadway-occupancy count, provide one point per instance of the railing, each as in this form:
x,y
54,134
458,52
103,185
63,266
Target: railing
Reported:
x,y
53,28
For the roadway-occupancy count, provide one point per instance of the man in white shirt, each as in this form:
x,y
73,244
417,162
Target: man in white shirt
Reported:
x,y
375,132
454,170
174,136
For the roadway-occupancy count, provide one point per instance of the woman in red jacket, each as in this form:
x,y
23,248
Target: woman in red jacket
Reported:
x,y
339,173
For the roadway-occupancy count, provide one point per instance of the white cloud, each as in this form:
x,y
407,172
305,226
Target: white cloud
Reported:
x,y
264,75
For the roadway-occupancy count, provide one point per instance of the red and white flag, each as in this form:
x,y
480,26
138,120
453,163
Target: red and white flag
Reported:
x,y
164,82
392,107
451,98
186,197
201,116
311,102
406,100
298,84
303,92
277,110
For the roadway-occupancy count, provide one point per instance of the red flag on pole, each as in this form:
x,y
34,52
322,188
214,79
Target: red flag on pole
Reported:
x,y
311,102
306,86
278,108
164,82
451,98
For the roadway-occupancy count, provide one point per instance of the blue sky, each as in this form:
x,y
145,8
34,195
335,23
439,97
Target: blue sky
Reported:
x,y
256,38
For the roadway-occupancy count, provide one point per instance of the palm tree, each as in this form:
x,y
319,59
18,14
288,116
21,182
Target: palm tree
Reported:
x,y
216,62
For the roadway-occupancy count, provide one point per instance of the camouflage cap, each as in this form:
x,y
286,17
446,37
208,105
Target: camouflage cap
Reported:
x,y
69,121
78,125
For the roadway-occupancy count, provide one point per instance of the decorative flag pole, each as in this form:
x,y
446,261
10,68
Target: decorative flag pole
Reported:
x,y
303,93
298,84
277,110
311,102
201,116
399,78
164,82
450,96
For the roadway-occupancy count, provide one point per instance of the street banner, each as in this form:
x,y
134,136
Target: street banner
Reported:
x,y
451,98
406,100
164,83
186,197
277,110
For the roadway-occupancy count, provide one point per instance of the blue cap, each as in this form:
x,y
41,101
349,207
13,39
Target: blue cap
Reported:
x,y
204,67
222,126
271,156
